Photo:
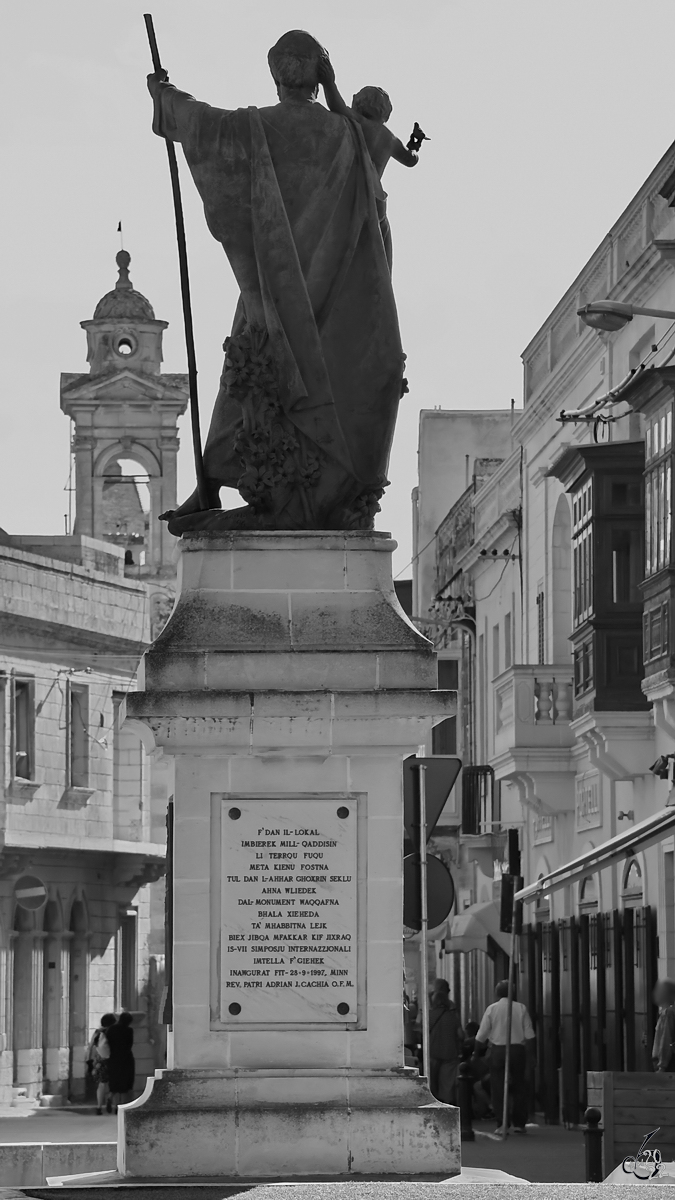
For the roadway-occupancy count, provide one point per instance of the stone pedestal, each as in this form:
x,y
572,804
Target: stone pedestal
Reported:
x,y
289,686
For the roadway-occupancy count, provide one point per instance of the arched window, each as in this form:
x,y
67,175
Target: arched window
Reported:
x,y
588,895
542,907
632,889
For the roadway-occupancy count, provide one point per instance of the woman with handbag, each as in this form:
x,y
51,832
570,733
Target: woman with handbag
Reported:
x,y
98,1054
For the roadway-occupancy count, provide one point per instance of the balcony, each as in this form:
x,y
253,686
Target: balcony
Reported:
x,y
533,708
481,816
532,735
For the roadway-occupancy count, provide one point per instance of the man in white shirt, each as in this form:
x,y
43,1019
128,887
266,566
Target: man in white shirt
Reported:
x,y
493,1031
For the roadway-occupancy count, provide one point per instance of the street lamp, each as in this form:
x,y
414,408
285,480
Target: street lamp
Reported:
x,y
609,315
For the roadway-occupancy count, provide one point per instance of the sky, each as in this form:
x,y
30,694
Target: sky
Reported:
x,y
545,117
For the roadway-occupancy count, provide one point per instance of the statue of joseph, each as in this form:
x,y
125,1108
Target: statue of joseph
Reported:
x,y
305,413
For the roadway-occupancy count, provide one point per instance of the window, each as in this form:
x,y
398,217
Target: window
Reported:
x,y
448,674
78,736
126,959
656,631
444,737
495,651
582,551
542,905
632,891
23,729
508,652
626,566
588,895
583,668
541,626
479,810
658,490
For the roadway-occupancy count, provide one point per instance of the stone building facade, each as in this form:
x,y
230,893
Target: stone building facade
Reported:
x,y
566,651
81,821
82,801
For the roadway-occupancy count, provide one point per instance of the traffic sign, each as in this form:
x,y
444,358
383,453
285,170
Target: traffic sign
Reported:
x,y
439,779
30,892
440,891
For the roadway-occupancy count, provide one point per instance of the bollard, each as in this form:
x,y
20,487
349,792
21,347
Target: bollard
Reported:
x,y
465,1087
593,1139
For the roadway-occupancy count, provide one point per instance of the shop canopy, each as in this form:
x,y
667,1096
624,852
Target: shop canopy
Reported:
x,y
618,848
471,929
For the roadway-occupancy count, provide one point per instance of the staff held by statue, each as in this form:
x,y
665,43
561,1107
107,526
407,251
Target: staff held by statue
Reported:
x,y
184,288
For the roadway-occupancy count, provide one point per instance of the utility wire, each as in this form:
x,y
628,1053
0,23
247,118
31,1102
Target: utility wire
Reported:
x,y
479,599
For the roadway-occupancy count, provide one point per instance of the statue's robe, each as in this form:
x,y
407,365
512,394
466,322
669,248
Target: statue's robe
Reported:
x,y
291,194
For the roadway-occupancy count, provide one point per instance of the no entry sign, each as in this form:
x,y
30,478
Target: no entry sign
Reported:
x,y
30,892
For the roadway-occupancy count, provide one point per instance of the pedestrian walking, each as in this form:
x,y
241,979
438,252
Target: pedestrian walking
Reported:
x,y
492,1032
98,1058
121,1064
446,1037
663,1050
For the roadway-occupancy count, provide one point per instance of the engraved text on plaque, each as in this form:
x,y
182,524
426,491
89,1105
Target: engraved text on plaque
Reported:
x,y
288,910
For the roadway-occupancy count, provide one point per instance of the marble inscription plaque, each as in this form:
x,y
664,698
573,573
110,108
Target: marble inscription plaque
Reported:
x,y
289,910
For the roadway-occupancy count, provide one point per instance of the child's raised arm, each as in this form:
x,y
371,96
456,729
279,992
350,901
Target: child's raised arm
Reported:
x,y
334,100
403,155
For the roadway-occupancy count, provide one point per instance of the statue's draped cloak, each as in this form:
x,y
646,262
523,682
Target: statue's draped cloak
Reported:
x,y
290,193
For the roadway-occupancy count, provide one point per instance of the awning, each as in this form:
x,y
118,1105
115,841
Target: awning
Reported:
x,y
638,837
471,929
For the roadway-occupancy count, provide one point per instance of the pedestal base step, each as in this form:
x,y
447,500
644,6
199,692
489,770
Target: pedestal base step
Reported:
x,y
291,1141
81,1187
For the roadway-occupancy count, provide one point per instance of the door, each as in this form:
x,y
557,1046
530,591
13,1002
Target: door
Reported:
x,y
613,1010
568,949
550,1022
644,951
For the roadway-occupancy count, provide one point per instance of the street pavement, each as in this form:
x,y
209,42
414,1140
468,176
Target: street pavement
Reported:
x,y
403,1190
56,1125
544,1154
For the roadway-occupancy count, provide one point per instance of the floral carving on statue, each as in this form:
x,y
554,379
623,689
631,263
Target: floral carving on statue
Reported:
x,y
361,513
274,455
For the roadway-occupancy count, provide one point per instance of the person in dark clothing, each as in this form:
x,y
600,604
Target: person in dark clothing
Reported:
x,y
121,1064
445,1043
663,1051
480,1072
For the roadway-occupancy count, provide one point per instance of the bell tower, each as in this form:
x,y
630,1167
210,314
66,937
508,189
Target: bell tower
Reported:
x,y
125,413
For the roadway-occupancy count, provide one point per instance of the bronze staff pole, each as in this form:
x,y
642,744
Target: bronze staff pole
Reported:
x,y
202,490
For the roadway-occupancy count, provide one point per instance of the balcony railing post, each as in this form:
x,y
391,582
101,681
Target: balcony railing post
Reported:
x,y
543,690
563,699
